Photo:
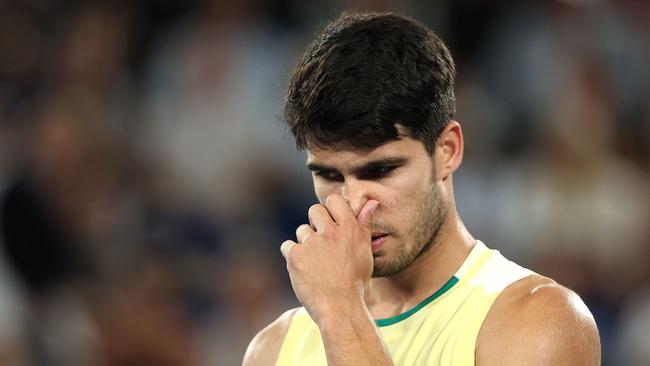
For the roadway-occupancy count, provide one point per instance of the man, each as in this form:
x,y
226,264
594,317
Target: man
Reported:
x,y
385,270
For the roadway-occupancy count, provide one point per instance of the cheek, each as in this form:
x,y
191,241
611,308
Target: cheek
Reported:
x,y
405,192
323,190
402,201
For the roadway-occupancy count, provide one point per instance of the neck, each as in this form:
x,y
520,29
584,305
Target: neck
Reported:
x,y
390,296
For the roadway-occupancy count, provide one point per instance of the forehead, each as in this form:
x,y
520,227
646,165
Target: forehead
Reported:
x,y
405,147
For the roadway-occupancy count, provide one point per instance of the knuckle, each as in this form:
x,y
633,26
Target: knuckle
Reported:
x,y
307,239
328,200
314,208
287,247
331,199
303,230
329,230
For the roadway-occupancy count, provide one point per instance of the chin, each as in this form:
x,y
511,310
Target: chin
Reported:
x,y
380,268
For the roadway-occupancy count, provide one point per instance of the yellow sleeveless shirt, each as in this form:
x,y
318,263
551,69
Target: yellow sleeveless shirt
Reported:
x,y
440,331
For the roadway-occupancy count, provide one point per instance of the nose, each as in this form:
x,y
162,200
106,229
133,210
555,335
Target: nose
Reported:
x,y
355,193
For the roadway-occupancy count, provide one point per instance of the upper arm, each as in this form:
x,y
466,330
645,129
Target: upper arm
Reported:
x,y
538,322
265,346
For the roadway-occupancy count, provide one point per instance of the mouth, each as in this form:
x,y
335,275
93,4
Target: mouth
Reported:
x,y
377,240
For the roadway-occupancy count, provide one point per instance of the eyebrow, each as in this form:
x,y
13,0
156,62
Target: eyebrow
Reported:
x,y
387,161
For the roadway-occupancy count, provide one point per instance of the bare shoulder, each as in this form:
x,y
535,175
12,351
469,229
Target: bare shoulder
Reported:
x,y
265,346
536,321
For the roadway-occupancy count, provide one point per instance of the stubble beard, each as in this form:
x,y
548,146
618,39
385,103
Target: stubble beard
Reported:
x,y
422,235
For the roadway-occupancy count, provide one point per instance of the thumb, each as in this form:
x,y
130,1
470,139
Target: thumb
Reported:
x,y
365,214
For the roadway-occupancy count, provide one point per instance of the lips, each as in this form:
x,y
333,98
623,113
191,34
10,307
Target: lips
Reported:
x,y
377,240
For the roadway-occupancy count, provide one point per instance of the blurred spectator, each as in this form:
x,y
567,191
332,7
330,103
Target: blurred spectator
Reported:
x,y
256,294
57,218
214,96
141,320
91,57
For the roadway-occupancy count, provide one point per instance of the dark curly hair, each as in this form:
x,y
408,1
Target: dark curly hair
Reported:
x,y
368,79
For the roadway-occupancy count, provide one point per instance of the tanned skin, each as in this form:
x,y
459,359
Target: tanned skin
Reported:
x,y
534,321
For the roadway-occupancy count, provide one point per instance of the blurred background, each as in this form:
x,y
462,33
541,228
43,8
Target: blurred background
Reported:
x,y
147,180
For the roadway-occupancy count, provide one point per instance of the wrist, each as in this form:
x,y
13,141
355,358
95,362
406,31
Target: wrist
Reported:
x,y
342,311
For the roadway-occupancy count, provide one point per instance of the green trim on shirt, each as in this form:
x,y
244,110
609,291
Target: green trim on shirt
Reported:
x,y
398,318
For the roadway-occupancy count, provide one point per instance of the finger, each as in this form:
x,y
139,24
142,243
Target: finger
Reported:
x,y
365,214
339,208
286,248
303,231
319,217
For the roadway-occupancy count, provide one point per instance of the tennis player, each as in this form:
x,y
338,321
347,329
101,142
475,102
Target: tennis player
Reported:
x,y
385,270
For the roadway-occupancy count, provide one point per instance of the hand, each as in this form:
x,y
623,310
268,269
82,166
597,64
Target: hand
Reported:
x,y
331,263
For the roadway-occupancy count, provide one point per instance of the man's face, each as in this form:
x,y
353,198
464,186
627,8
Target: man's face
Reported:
x,y
401,176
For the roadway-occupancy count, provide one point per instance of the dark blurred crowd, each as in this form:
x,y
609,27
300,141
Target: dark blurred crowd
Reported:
x,y
147,179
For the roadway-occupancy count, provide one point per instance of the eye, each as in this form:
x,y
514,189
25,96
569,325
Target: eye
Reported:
x,y
332,176
377,172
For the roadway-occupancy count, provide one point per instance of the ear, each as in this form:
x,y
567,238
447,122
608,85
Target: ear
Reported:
x,y
449,150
